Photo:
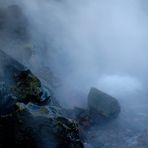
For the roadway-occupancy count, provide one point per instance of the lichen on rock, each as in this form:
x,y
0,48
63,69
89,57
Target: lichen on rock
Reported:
x,y
27,87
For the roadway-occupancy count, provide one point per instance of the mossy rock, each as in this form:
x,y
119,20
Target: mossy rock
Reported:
x,y
27,87
68,131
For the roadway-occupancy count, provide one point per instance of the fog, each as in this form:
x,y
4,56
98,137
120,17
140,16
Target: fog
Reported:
x,y
97,43
91,43
87,44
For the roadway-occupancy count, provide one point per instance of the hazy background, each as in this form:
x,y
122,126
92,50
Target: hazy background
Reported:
x,y
83,44
91,43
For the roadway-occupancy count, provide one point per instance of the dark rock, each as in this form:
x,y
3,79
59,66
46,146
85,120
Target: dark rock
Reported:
x,y
22,126
22,82
24,130
27,87
7,101
103,104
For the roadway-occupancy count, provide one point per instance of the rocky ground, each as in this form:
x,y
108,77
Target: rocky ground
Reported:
x,y
30,115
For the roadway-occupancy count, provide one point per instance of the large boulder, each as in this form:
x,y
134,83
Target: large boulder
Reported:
x,y
103,104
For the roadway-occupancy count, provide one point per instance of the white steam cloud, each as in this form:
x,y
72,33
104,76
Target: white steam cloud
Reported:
x,y
92,43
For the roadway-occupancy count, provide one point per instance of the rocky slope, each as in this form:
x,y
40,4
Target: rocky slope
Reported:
x,y
30,115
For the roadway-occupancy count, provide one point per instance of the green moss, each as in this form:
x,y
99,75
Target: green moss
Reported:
x,y
67,128
27,87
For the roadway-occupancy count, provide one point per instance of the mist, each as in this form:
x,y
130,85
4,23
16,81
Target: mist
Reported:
x,y
98,43
86,44
91,43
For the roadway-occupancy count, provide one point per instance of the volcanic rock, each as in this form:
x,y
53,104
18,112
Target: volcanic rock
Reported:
x,y
103,104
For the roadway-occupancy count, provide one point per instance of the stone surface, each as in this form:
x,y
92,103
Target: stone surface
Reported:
x,y
27,118
102,103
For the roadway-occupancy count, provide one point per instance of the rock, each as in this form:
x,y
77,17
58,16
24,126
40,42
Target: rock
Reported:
x,y
22,82
7,101
31,131
27,119
67,131
27,88
103,104
81,115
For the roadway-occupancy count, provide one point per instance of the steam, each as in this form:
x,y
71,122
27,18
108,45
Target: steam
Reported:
x,y
97,43
91,43
120,85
